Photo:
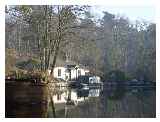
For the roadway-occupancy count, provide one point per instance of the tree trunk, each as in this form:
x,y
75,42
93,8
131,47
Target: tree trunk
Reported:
x,y
59,33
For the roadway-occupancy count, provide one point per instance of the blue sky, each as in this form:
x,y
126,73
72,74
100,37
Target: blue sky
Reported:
x,y
140,13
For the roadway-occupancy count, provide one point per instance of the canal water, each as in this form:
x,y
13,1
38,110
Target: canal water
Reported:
x,y
104,102
101,102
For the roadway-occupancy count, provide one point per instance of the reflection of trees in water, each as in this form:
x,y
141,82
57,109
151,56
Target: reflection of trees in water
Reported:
x,y
117,93
109,104
127,104
114,92
144,92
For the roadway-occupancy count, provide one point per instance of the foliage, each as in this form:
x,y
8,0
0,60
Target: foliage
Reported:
x,y
128,47
70,32
30,64
29,75
117,76
10,60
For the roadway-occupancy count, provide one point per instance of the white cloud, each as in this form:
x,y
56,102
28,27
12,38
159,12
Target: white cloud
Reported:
x,y
146,13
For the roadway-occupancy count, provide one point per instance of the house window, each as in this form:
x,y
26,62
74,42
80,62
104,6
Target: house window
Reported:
x,y
79,72
59,72
59,97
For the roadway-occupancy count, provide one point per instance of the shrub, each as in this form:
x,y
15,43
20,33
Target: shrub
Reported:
x,y
10,60
117,75
30,65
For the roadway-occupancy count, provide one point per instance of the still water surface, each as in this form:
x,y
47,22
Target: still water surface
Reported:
x,y
104,102
82,103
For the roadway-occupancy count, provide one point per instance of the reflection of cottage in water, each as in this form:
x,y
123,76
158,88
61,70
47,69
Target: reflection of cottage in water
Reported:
x,y
60,97
69,95
94,92
75,95
89,79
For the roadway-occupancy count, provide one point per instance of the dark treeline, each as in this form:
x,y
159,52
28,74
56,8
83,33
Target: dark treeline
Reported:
x,y
47,33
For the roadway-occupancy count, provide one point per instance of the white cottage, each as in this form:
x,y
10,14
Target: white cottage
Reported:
x,y
60,72
69,71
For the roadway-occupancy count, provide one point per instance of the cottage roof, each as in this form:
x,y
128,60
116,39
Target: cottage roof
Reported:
x,y
64,63
69,64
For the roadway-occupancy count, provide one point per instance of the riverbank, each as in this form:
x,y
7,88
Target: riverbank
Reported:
x,y
22,97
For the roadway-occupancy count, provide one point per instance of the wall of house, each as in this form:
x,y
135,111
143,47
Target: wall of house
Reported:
x,y
94,79
82,72
75,73
62,74
65,75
